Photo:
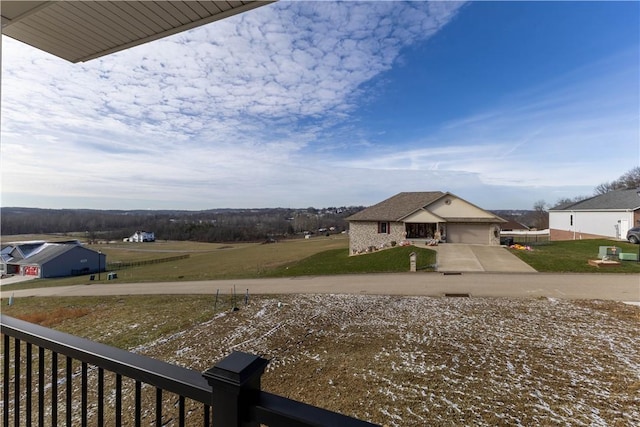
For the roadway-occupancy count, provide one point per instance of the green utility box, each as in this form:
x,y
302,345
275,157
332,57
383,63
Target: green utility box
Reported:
x,y
611,252
626,256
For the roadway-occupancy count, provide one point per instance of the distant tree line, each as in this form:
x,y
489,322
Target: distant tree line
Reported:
x,y
223,225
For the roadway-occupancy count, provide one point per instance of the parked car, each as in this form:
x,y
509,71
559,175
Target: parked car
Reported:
x,y
633,235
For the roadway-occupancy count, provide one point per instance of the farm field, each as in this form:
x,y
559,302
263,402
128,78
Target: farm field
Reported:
x,y
206,260
397,361
317,256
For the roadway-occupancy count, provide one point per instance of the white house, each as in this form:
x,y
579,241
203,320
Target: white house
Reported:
x,y
608,215
142,236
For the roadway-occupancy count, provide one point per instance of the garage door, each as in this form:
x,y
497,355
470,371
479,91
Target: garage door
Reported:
x,y
468,233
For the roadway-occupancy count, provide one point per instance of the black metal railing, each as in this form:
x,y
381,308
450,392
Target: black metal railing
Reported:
x,y
117,387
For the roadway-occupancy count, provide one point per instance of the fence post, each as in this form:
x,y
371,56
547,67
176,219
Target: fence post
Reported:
x,y
235,381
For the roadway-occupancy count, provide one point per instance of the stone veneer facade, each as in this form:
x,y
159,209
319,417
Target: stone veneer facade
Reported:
x,y
363,234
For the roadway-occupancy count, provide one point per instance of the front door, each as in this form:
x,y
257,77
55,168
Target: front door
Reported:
x,y
420,230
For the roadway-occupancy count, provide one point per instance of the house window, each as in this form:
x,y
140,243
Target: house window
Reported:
x,y
571,220
383,228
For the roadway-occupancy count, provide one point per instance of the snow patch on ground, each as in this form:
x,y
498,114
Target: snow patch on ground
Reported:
x,y
418,361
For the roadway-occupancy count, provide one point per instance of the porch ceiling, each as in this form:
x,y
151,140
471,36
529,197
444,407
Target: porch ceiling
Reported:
x,y
82,30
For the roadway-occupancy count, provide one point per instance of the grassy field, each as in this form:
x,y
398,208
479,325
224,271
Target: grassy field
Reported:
x,y
206,260
572,256
316,256
397,361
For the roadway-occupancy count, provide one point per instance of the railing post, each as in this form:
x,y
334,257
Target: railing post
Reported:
x,y
235,381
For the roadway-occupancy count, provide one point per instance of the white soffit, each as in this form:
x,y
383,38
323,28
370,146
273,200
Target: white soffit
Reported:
x,y
82,30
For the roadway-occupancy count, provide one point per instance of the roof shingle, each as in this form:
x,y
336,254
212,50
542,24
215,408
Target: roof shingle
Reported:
x,y
396,207
613,200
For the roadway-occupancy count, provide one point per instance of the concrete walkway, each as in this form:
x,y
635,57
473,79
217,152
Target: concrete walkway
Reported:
x,y
453,257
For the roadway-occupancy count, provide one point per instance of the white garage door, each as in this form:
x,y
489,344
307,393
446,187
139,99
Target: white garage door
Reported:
x,y
469,233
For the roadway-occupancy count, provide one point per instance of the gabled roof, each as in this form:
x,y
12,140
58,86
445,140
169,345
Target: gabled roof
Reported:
x,y
397,207
48,252
82,30
613,200
36,252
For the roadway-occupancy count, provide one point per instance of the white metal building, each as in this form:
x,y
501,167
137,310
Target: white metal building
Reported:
x,y
608,215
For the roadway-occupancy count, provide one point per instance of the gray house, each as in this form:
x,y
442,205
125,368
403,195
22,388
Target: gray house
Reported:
x,y
43,260
608,215
416,216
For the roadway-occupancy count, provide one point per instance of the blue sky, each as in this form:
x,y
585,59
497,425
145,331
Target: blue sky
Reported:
x,y
299,104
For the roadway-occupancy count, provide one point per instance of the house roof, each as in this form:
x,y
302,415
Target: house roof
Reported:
x,y
48,252
397,207
400,206
37,252
512,224
82,30
613,200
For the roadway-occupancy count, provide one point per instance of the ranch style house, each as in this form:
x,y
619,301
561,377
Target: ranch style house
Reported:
x,y
419,216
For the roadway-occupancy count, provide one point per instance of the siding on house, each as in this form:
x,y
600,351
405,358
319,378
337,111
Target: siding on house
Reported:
x,y
455,207
607,215
46,260
577,225
77,260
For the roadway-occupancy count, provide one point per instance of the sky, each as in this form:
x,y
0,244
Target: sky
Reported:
x,y
299,104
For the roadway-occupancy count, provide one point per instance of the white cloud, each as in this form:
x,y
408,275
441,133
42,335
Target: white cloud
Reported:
x,y
255,111
552,135
207,111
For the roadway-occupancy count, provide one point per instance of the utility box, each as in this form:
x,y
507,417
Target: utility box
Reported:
x,y
626,256
412,262
611,252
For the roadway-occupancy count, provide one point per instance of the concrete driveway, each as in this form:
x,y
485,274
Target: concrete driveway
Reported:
x,y
455,257
15,279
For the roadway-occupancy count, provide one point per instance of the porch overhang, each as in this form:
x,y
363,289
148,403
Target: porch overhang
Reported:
x,y
494,220
79,31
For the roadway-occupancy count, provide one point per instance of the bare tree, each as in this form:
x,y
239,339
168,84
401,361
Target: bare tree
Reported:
x,y
628,181
568,200
541,220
